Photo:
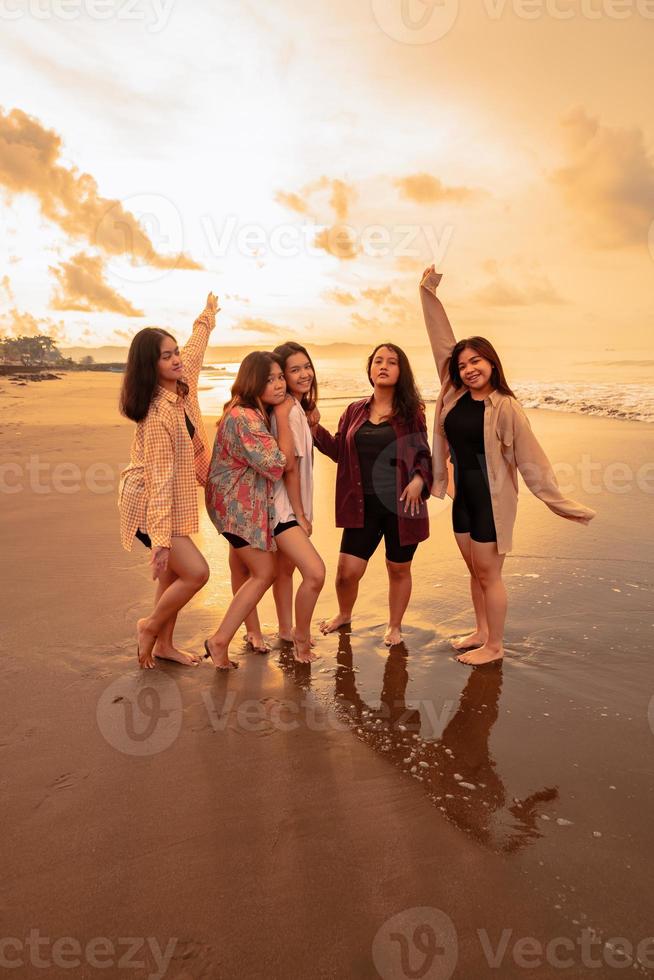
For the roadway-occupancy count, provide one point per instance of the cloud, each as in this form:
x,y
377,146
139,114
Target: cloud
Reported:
x,y
339,241
17,323
608,181
5,285
395,317
261,326
536,289
294,202
30,164
425,189
337,238
340,296
82,286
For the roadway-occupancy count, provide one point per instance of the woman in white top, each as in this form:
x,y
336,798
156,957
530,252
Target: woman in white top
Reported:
x,y
294,510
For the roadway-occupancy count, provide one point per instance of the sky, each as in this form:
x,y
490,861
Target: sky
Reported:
x,y
306,161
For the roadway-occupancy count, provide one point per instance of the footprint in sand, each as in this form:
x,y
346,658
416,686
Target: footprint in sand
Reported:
x,y
194,961
69,780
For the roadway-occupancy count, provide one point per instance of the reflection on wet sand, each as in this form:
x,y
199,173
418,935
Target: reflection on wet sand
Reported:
x,y
457,769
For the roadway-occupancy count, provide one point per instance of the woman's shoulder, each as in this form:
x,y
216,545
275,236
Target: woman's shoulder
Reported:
x,y
243,413
509,410
298,413
161,411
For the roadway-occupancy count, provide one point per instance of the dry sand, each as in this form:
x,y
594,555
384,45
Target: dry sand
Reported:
x,y
268,823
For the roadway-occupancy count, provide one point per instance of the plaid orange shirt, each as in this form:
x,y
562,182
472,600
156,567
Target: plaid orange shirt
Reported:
x,y
158,490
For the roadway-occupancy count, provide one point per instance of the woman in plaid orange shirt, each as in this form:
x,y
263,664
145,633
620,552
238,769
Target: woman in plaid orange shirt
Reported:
x,y
169,459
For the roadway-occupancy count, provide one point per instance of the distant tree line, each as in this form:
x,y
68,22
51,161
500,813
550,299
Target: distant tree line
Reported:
x,y
30,351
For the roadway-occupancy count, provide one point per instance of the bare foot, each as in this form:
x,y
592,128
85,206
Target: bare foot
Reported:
x,y
484,655
172,653
330,626
257,643
302,651
287,637
218,654
393,636
470,642
145,642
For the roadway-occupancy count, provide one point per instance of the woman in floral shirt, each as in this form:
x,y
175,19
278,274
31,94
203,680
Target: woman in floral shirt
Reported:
x,y
239,492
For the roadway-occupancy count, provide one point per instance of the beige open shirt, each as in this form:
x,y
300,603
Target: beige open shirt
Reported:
x,y
509,443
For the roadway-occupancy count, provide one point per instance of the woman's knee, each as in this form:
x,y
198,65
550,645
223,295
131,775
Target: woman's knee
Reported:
x,y
315,577
198,576
347,577
398,571
264,574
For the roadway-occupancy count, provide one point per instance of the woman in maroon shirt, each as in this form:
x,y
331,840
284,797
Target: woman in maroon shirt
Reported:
x,y
383,479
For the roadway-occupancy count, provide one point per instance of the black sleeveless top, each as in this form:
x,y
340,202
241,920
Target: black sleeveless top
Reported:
x,y
464,428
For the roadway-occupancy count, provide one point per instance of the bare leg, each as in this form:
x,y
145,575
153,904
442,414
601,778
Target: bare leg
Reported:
x,y
239,575
479,636
348,575
399,593
488,563
164,647
297,548
192,572
261,568
283,593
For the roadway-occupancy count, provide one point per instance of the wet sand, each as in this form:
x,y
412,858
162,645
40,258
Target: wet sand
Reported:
x,y
268,823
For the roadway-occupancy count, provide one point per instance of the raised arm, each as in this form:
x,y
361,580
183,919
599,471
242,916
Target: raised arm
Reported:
x,y
439,330
537,472
194,350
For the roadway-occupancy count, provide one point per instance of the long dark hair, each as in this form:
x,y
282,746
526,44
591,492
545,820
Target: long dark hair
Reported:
x,y
141,376
250,383
309,399
485,349
407,400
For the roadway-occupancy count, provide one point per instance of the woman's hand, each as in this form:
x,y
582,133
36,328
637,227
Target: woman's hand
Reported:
x,y
306,525
313,418
283,410
159,561
212,303
428,270
412,495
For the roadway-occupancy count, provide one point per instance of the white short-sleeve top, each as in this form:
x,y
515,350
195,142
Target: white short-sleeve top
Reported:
x,y
304,451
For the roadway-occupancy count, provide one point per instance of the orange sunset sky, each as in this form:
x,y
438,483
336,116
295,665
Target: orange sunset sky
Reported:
x,y
307,160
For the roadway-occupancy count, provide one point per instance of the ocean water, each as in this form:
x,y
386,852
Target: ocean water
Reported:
x,y
629,400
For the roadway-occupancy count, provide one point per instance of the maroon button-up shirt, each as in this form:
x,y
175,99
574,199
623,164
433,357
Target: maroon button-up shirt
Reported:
x,y
412,455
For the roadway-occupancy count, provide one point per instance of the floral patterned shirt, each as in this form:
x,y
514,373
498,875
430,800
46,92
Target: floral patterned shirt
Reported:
x,y
245,463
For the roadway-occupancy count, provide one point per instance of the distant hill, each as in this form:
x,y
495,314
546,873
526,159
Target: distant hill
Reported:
x,y
106,355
